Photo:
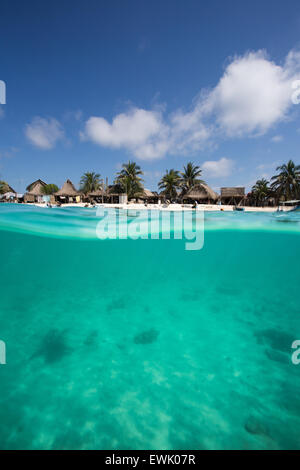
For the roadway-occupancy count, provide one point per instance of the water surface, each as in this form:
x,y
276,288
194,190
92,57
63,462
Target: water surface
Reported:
x,y
140,344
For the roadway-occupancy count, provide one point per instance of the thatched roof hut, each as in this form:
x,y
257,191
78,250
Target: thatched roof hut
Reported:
x,y
68,190
233,192
113,193
97,196
11,190
114,190
233,195
98,193
35,188
149,195
6,188
200,192
34,191
7,192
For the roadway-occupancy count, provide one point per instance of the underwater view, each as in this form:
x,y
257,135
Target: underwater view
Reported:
x,y
143,344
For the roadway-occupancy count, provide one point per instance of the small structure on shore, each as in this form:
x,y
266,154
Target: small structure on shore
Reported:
x,y
7,188
201,193
7,193
98,196
162,197
294,205
68,193
235,196
149,196
113,193
123,198
35,191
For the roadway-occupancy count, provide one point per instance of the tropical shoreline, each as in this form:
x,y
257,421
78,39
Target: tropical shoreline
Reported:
x,y
183,189
172,207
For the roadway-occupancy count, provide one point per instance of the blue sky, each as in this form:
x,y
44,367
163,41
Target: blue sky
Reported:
x,y
93,84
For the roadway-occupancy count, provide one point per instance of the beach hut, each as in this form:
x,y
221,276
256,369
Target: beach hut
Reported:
x,y
7,188
8,194
149,196
162,197
234,196
68,193
113,193
97,196
34,191
8,197
201,193
123,198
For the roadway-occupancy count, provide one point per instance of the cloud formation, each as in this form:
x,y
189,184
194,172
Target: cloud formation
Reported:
x,y
218,168
141,132
277,138
252,96
44,133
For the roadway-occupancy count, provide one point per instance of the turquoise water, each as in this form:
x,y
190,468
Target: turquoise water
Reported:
x,y
140,344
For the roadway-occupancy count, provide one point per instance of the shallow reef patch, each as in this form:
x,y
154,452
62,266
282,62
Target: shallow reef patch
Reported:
x,y
146,337
53,346
276,339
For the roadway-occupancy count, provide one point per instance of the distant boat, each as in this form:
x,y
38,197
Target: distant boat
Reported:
x,y
295,204
240,209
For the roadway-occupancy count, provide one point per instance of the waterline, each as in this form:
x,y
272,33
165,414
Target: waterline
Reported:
x,y
141,344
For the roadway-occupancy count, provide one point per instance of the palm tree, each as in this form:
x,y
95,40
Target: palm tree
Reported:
x,y
129,179
170,182
189,177
287,183
261,191
49,189
90,182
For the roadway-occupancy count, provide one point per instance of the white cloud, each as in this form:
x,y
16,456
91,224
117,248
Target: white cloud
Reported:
x,y
139,131
44,133
253,94
188,131
251,97
218,168
146,134
277,138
